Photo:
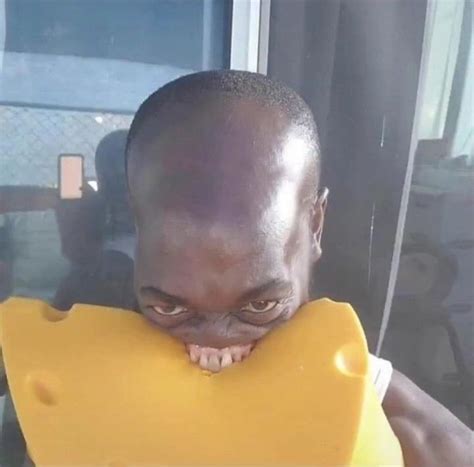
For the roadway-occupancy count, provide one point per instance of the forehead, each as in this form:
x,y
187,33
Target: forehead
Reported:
x,y
240,151
227,258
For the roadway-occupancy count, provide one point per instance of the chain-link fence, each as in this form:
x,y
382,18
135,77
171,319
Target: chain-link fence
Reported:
x,y
32,138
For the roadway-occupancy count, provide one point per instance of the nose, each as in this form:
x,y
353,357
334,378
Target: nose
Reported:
x,y
213,329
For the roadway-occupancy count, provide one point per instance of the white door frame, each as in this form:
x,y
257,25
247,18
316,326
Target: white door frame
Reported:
x,y
249,35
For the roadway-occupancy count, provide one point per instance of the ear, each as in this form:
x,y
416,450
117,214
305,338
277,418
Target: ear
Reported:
x,y
318,211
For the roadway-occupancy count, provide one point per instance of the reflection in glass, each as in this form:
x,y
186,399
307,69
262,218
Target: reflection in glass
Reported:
x,y
72,73
431,331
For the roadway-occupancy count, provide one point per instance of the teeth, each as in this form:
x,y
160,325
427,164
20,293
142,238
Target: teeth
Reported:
x,y
226,359
214,360
203,361
194,354
214,363
237,354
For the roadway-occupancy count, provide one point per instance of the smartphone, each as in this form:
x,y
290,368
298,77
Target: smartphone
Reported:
x,y
70,176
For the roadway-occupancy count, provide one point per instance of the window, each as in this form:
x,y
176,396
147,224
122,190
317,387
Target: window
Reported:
x,y
73,71
429,335
72,74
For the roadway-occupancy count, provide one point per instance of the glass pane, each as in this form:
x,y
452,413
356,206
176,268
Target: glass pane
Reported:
x,y
73,71
345,62
430,336
72,74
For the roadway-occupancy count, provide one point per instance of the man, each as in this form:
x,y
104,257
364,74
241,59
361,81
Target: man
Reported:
x,y
223,171
98,235
111,177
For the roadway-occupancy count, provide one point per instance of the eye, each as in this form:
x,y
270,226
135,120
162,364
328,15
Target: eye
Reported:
x,y
169,310
260,306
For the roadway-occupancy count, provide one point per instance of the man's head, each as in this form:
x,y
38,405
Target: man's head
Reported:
x,y
112,181
223,172
109,164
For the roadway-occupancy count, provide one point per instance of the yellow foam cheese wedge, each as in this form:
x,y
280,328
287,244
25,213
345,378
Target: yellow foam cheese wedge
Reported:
x,y
98,386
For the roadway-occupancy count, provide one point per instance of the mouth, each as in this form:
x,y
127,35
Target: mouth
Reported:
x,y
215,360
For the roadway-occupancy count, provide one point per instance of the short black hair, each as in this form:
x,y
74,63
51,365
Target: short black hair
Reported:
x,y
232,84
110,153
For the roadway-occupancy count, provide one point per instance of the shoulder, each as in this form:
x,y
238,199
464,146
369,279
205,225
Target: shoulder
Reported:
x,y
429,434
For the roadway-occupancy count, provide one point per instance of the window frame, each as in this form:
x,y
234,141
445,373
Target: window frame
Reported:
x,y
250,30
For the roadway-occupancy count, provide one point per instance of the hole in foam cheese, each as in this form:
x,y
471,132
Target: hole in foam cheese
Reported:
x,y
102,386
44,387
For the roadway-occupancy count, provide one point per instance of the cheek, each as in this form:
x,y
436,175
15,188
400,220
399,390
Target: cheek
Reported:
x,y
300,268
292,307
298,262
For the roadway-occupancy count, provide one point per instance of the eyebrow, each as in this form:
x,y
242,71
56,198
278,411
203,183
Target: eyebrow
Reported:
x,y
274,286
155,292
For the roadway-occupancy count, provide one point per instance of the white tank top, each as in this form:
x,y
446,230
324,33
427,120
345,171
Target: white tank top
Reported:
x,y
381,373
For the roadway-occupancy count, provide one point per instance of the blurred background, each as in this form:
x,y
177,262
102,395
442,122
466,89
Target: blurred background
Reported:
x,y
391,86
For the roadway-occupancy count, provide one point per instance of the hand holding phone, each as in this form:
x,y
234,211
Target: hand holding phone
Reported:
x,y
71,176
